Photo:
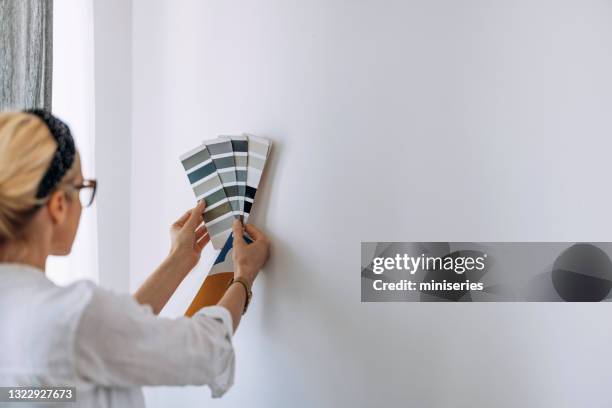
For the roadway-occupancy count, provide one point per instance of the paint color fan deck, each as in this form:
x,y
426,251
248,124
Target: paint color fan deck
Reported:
x,y
225,172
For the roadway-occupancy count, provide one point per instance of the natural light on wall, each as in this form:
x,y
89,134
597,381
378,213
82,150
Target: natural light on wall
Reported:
x,y
73,101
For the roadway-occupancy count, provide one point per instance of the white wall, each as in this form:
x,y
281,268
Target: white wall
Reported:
x,y
113,104
73,100
397,120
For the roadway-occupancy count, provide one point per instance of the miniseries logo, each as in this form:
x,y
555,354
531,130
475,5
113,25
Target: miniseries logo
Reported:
x,y
485,272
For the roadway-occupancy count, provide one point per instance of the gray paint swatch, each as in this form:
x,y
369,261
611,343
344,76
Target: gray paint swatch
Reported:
x,y
206,184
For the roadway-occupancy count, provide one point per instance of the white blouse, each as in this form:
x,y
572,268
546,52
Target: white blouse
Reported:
x,y
105,344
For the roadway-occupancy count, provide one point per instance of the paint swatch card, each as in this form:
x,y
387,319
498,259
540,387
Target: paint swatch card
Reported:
x,y
258,150
216,281
238,163
240,145
206,184
222,154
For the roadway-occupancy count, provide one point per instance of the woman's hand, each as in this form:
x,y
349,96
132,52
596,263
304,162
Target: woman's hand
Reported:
x,y
189,236
249,258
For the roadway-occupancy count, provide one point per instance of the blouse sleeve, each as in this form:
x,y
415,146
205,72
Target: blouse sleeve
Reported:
x,y
121,343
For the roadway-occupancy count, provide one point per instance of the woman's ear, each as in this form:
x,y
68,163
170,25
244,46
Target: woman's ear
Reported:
x,y
57,206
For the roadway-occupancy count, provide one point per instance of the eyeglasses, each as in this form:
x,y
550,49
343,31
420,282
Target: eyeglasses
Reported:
x,y
87,191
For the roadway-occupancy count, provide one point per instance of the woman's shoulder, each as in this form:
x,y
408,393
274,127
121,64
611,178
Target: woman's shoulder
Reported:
x,y
26,288
40,320
26,294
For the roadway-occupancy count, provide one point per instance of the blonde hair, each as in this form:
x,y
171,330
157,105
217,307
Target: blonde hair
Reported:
x,y
26,150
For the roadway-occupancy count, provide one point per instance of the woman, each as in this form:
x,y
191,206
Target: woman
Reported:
x,y
105,344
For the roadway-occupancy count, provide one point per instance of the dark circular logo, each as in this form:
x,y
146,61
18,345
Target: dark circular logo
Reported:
x,y
582,273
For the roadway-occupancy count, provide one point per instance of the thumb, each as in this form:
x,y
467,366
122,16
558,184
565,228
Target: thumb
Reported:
x,y
195,218
237,229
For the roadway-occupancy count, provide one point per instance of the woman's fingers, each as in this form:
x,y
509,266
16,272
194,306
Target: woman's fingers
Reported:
x,y
254,232
195,218
181,221
199,233
191,214
237,229
201,243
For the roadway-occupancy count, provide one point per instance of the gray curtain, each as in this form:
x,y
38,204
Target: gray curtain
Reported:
x,y
26,37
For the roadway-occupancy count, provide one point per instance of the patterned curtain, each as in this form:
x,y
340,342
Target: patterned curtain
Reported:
x,y
26,37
